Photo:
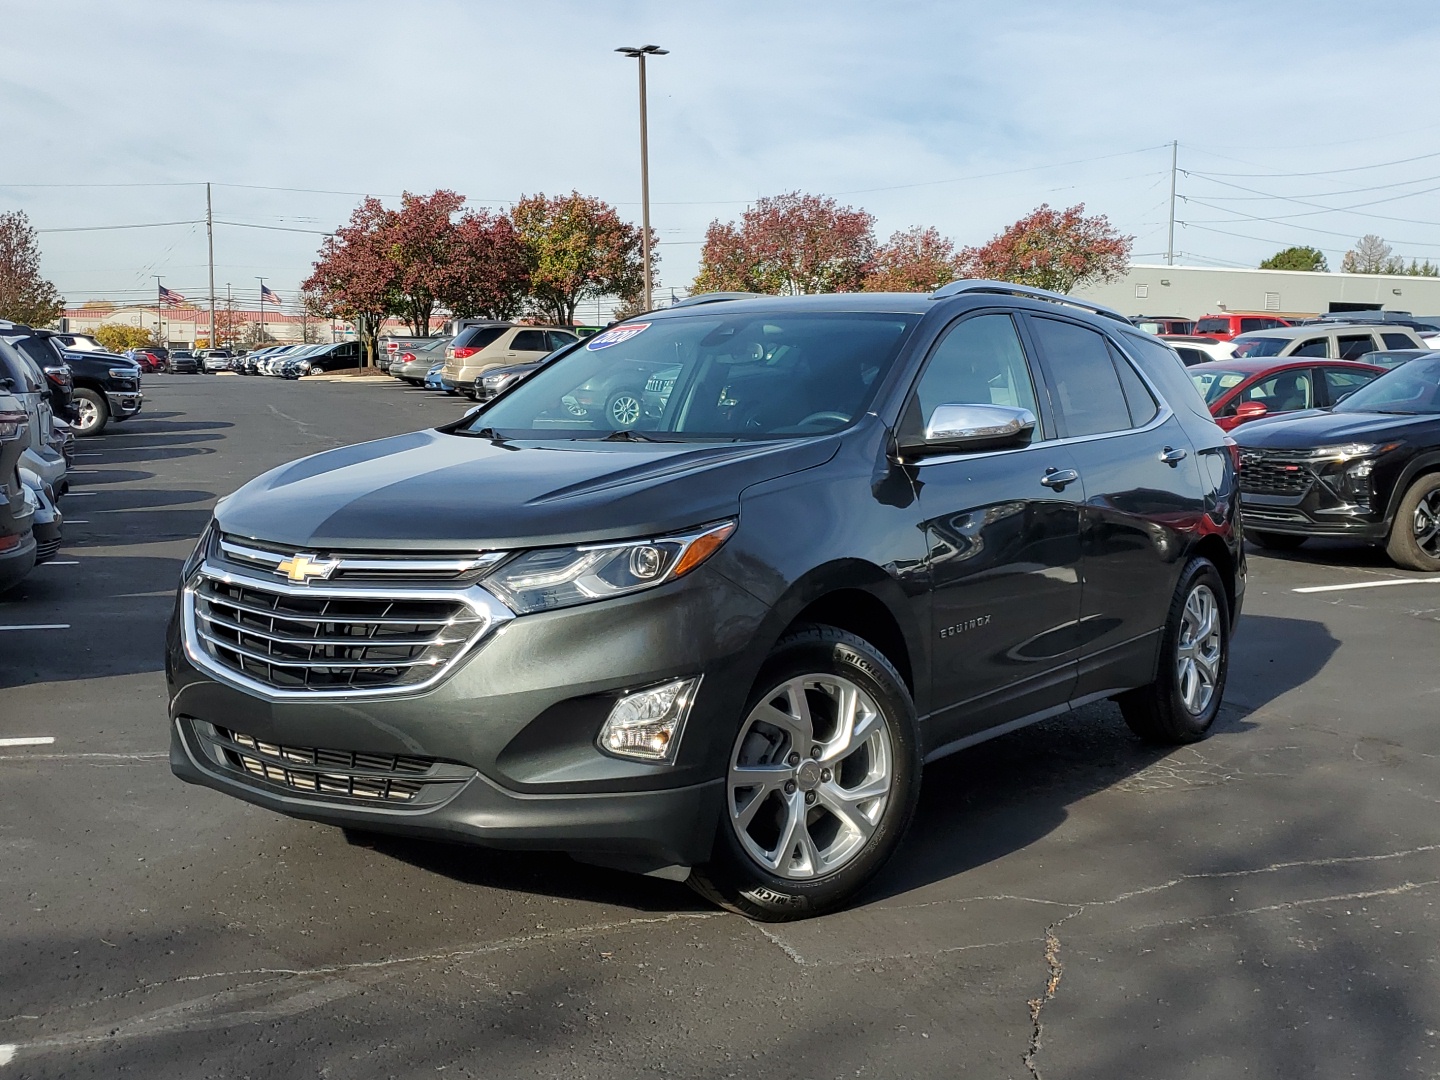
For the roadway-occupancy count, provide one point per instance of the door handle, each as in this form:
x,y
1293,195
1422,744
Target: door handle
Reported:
x,y
1172,456
1058,478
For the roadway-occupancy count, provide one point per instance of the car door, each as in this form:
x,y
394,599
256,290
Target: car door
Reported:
x,y
1142,499
1002,534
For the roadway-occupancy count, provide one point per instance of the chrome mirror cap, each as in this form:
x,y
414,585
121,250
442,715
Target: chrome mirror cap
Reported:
x,y
962,424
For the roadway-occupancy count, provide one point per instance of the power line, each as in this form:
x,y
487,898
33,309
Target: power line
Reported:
x,y
107,228
1326,172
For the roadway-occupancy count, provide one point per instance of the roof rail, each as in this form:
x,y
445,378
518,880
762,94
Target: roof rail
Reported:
x,y
714,298
1005,288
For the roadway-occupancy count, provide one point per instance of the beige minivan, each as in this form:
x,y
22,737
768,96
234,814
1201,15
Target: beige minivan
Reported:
x,y
1334,341
476,349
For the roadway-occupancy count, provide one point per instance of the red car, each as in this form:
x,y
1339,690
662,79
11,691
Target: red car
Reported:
x,y
148,361
1227,324
1247,389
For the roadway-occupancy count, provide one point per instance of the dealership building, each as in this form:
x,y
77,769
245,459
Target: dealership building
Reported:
x,y
1192,291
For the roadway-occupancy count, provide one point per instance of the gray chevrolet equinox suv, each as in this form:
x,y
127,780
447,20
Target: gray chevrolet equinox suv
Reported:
x,y
847,535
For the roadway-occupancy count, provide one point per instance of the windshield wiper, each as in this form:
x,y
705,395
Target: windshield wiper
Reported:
x,y
630,435
487,433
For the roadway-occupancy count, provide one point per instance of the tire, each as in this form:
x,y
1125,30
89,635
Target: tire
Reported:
x,y
1181,704
94,412
826,862
1414,541
1271,541
623,409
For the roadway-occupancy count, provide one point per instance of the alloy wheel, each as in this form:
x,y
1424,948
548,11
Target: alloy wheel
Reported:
x,y
89,413
1427,524
810,777
1198,650
624,410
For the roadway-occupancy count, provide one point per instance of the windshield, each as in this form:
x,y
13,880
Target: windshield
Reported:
x,y
1260,346
1412,389
1212,384
707,376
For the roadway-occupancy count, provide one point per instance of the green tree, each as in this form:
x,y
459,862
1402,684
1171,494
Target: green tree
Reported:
x,y
576,248
25,296
1297,258
117,337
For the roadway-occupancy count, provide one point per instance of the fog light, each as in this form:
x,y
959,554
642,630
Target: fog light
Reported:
x,y
647,724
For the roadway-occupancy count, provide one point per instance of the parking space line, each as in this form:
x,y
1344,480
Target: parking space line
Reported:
x,y
77,521
39,626
78,494
1371,584
62,562
90,453
30,740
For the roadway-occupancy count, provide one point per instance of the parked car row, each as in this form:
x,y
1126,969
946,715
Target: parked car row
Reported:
x,y
481,360
41,400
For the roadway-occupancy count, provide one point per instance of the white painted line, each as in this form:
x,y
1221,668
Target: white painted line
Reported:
x,y
39,626
77,494
1372,584
7,1053
91,453
62,562
29,740
84,472
77,521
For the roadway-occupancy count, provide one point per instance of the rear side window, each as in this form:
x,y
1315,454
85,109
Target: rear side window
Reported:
x,y
1285,391
1137,395
529,341
1166,374
1084,386
1216,325
979,361
1354,346
1397,341
1247,325
1313,347
1340,383
559,339
477,337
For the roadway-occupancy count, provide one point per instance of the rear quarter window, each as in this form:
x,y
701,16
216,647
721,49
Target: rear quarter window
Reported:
x,y
477,337
1166,373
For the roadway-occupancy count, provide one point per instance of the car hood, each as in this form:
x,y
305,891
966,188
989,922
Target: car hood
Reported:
x,y
430,490
1319,427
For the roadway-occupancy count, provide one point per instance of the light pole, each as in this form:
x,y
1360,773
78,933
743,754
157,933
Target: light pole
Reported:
x,y
159,303
262,309
639,54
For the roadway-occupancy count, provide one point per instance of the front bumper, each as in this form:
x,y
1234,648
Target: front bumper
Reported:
x,y
520,713
1293,492
124,404
17,563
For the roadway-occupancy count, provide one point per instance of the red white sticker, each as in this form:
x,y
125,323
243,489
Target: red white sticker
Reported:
x,y
616,335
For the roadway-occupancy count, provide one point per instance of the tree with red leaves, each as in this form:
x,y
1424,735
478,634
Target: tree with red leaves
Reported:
x,y
576,248
916,260
421,241
789,244
355,277
486,276
1051,249
25,296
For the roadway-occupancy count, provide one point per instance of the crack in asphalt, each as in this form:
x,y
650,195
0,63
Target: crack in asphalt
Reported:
x,y
1052,984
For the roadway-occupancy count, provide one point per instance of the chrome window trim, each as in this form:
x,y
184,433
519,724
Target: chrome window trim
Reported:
x,y
490,613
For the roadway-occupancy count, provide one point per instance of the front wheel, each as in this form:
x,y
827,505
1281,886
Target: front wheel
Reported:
x,y
94,412
822,780
1183,701
1415,534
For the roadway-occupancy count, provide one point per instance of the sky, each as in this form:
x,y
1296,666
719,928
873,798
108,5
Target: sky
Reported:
x,y
1298,121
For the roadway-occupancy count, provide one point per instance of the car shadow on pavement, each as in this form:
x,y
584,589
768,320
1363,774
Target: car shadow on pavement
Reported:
x,y
125,455
1003,795
1325,552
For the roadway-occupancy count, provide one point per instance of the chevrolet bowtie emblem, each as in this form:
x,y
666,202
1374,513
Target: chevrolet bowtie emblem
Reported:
x,y
303,568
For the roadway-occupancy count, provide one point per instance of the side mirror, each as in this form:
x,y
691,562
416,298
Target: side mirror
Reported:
x,y
1250,410
962,428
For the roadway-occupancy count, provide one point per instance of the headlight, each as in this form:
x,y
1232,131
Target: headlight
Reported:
x,y
1347,451
124,373
202,548
560,577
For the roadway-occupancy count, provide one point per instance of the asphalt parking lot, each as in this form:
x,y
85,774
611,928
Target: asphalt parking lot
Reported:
x,y
1070,903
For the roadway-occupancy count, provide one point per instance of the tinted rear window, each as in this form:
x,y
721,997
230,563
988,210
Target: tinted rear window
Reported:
x,y
1213,326
477,337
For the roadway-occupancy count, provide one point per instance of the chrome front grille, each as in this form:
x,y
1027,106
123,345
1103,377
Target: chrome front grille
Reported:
x,y
1261,474
298,641
334,774
369,566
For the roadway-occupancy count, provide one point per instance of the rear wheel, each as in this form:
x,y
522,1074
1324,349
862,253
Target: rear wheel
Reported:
x,y
821,783
1272,541
1183,701
622,410
93,410
1415,534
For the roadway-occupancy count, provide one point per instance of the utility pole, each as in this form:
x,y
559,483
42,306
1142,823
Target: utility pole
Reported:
x,y
159,302
262,308
229,317
639,54
1170,244
210,238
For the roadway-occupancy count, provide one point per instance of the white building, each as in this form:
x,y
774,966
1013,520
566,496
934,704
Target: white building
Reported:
x,y
1192,291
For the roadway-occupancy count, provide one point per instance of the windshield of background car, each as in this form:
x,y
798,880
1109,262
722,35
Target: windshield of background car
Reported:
x,y
710,376
1213,384
1411,389
1260,346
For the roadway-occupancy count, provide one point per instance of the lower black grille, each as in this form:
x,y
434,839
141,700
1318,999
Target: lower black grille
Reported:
x,y
330,774
1263,475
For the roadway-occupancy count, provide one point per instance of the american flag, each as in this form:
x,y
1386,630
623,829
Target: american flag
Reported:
x,y
269,296
170,296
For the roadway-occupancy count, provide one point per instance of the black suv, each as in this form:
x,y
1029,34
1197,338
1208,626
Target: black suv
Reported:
x,y
1367,469
860,532
106,384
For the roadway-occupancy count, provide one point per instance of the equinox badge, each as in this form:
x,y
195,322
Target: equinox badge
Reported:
x,y
304,568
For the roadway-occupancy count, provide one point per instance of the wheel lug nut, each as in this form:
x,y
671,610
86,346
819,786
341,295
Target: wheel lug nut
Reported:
x,y
789,787
815,751
794,760
809,797
825,775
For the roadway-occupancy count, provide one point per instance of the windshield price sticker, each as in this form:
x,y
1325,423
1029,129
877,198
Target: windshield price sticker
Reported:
x,y
607,338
